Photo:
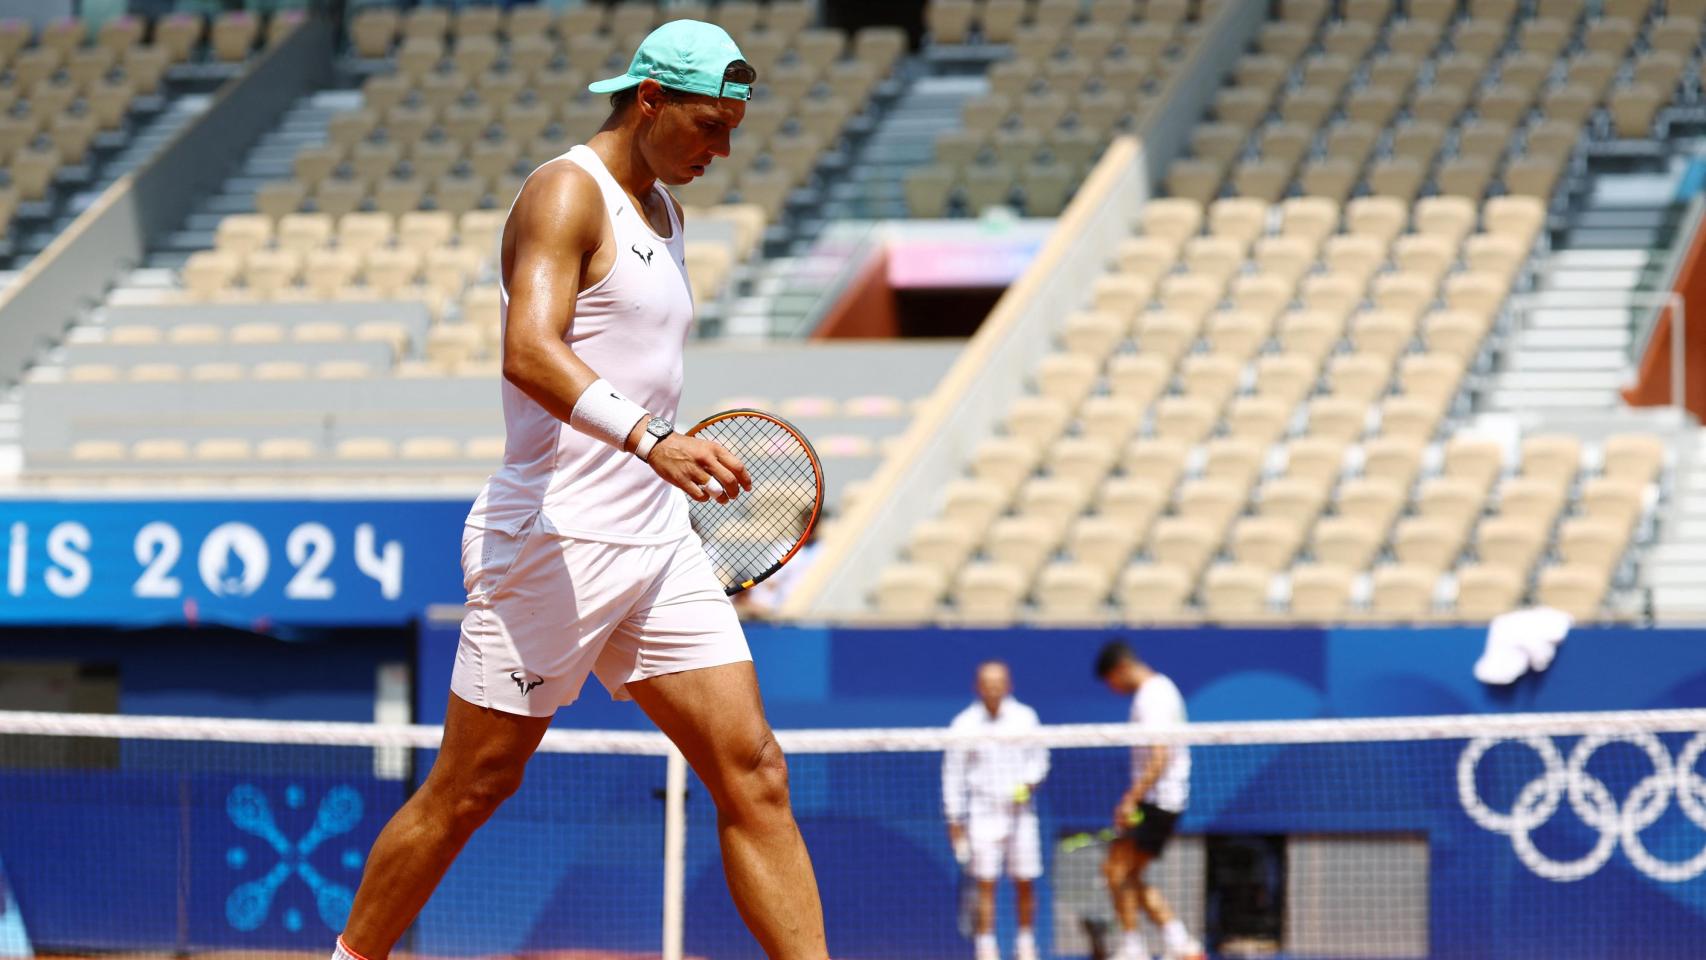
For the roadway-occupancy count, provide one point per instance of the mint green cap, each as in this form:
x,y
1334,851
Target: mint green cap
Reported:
x,y
685,55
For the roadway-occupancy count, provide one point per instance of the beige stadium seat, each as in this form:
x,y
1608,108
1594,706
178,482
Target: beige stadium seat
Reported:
x,y
1613,500
1264,295
1426,543
1171,218
1183,543
1023,543
1360,377
1337,418
1233,592
1092,334
1068,591
1210,377
1392,459
1676,34
269,273
1320,593
1510,542
1147,257
1380,217
1450,500
1131,503
1554,458
1138,378
928,190
1155,460
285,449
1634,107
365,448
1035,418
1213,502
909,590
1495,255
1344,542
1474,460
988,593
1404,416
1535,500
1635,457
1151,592
1476,292
1315,460
999,20
302,233
1167,333
1068,377
974,503
1240,332
1371,502
1239,218
1052,498
1287,257
1234,461
1402,594
222,449
1431,377
1266,542
1424,255
1309,333
1258,419
1407,294
1485,592
1576,590
1354,256
1330,178
1455,333
1594,543
1191,295
1109,420
241,234
1123,295
1215,257
1104,543
1397,177
1184,419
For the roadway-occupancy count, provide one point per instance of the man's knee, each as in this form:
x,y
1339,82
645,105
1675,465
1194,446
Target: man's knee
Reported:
x,y
472,797
761,783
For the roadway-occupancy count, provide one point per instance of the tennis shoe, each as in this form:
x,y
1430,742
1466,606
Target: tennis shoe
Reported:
x,y
1025,951
1188,951
988,953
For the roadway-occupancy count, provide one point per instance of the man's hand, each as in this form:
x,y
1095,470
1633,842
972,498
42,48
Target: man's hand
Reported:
x,y
691,463
1125,811
957,838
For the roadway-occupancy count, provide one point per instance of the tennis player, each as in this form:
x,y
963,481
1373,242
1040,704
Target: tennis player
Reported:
x,y
577,556
1149,810
987,793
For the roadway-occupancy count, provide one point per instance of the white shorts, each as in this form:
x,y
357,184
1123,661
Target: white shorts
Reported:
x,y
544,611
1001,834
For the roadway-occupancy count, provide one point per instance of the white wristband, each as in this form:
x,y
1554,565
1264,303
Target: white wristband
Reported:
x,y
603,413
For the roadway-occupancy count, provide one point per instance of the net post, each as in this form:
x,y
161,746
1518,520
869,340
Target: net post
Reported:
x,y
674,853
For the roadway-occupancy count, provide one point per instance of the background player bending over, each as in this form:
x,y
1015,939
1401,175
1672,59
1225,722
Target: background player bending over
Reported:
x,y
986,795
1149,809
578,555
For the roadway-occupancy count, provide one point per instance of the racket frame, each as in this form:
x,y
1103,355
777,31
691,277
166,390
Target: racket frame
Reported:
x,y
817,475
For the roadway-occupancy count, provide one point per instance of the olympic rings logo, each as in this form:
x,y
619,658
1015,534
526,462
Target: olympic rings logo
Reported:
x,y
1592,802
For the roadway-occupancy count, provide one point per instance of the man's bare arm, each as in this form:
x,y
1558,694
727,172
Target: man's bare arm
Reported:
x,y
557,222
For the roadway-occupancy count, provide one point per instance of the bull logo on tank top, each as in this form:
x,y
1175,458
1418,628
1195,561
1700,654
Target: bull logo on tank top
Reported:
x,y
644,253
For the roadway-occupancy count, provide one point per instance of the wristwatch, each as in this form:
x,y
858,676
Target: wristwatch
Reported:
x,y
656,429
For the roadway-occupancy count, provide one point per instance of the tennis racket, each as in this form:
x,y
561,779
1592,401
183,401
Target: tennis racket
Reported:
x,y
749,538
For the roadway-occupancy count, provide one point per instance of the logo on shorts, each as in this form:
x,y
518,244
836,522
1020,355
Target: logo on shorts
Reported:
x,y
645,254
523,684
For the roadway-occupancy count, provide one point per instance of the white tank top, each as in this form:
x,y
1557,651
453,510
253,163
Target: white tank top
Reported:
x,y
630,327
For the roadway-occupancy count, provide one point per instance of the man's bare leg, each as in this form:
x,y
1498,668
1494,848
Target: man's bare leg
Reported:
x,y
1025,903
1119,871
985,906
716,718
479,766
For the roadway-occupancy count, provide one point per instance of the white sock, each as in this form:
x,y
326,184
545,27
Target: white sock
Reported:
x,y
1131,944
986,943
1176,935
1026,938
343,952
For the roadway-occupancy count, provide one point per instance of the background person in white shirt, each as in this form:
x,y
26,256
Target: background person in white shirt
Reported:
x,y
1149,809
987,796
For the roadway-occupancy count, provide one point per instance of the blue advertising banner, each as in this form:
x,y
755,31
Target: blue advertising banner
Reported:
x,y
240,562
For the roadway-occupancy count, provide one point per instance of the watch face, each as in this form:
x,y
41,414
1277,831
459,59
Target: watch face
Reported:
x,y
660,428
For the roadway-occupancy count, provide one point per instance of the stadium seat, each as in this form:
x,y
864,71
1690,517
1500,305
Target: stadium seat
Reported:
x,y
1485,592
1320,593
1132,504
1402,594
909,590
1067,591
1023,543
988,593
1104,541
1235,592
1150,593
1573,589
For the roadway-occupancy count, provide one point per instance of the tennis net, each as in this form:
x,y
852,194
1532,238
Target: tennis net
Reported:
x,y
1513,836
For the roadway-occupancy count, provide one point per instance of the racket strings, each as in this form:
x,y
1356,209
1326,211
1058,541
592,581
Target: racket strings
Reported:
x,y
755,532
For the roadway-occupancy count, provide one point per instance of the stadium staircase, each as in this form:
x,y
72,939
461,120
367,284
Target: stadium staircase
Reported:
x,y
1571,348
